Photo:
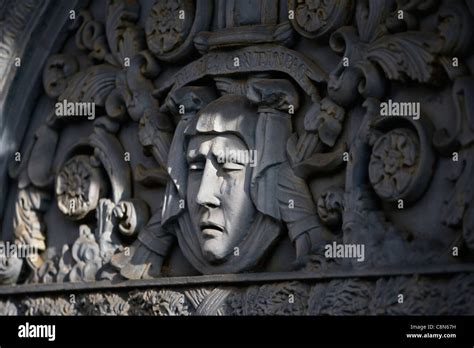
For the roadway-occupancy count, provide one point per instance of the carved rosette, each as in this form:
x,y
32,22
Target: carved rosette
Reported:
x,y
317,18
393,162
79,186
172,24
168,25
402,159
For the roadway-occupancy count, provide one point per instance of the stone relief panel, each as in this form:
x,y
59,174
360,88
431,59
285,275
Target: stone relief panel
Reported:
x,y
424,296
187,138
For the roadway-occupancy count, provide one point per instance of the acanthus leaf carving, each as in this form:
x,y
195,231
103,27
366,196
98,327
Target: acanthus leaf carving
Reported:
x,y
109,151
454,25
90,36
407,54
28,224
86,253
91,85
125,39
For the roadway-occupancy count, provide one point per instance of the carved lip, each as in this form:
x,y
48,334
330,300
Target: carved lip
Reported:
x,y
210,229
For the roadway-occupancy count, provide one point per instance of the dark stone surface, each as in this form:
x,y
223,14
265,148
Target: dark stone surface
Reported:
x,y
232,139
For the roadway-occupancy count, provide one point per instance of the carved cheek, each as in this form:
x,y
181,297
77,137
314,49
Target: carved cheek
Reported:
x,y
233,184
194,181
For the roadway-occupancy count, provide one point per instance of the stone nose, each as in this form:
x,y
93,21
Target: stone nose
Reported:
x,y
208,194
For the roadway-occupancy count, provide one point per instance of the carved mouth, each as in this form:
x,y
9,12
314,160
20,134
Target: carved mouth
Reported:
x,y
211,230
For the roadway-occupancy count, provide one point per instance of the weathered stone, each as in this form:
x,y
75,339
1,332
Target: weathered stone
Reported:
x,y
304,157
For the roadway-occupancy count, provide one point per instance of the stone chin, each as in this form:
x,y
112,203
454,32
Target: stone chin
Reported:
x,y
216,256
213,251
214,247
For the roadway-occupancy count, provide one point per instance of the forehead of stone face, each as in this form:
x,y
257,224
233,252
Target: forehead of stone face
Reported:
x,y
228,114
204,144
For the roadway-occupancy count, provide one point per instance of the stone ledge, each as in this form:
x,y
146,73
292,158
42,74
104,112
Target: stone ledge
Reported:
x,y
450,294
234,279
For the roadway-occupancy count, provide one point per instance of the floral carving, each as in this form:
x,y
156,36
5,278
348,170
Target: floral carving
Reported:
x,y
323,124
103,304
340,297
87,259
369,50
420,296
46,273
28,223
270,299
48,306
163,302
91,85
170,303
330,206
124,37
423,295
458,206
86,253
90,36
458,299
326,122
310,15
8,308
166,28
393,162
58,69
454,23
10,266
78,187
315,18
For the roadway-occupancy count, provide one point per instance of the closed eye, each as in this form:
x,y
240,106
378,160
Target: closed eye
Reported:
x,y
232,167
196,167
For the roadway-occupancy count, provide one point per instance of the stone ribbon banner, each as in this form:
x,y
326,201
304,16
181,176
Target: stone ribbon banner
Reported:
x,y
252,59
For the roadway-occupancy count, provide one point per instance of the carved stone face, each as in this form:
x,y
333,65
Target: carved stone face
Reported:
x,y
218,194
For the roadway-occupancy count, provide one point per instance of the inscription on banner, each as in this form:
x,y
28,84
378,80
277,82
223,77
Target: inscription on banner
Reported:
x,y
251,59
